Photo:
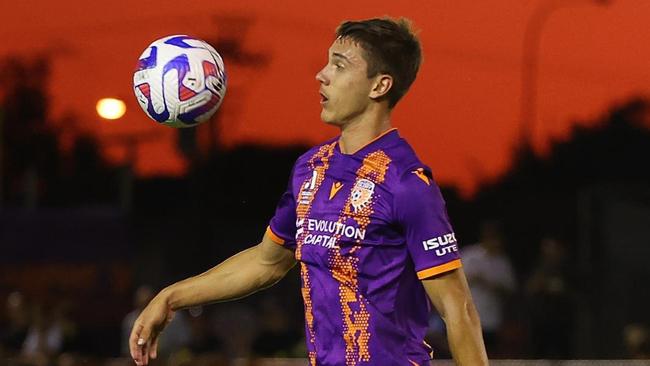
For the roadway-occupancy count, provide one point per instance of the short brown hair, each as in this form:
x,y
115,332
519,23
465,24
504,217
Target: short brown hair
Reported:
x,y
391,47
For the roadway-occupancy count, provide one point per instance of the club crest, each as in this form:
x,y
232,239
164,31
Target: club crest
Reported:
x,y
362,194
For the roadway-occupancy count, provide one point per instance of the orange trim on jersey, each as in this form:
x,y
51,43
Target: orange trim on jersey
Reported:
x,y
370,142
412,362
276,239
439,269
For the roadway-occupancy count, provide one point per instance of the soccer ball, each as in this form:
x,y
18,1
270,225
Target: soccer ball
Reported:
x,y
180,81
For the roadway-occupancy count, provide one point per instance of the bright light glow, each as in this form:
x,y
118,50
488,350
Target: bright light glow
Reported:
x,y
110,108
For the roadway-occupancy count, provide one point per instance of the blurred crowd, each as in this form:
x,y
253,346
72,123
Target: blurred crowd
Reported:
x,y
36,335
523,316
532,315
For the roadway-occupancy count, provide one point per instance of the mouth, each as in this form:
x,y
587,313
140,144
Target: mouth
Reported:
x,y
323,98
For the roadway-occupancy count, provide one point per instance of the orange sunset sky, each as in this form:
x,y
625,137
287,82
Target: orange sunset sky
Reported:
x,y
461,114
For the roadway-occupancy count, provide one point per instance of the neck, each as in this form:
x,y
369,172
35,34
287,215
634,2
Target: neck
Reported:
x,y
359,132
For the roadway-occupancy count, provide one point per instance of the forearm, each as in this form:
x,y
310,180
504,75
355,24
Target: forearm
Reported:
x,y
237,277
450,294
465,337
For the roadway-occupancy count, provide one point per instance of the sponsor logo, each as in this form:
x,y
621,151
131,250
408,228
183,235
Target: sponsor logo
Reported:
x,y
336,228
443,244
336,186
307,188
326,241
325,233
299,228
362,194
310,184
419,172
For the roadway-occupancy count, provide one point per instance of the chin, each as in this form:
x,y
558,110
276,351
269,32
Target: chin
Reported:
x,y
327,118
332,123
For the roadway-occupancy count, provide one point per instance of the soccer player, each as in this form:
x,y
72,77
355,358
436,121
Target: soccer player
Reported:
x,y
363,218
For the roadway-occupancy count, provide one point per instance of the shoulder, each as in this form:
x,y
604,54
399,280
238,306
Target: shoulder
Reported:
x,y
406,164
412,180
322,149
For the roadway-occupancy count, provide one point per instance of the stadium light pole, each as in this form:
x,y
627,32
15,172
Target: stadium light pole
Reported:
x,y
113,109
530,62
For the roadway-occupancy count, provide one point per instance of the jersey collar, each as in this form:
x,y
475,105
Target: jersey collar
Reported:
x,y
387,135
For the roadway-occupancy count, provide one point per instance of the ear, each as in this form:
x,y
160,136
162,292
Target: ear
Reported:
x,y
381,86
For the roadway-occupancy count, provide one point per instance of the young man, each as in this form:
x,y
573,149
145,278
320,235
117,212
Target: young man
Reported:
x,y
365,220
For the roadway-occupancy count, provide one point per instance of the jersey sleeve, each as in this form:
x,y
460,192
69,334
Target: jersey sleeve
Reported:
x,y
282,228
421,213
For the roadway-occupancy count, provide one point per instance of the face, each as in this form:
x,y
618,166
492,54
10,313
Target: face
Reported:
x,y
345,88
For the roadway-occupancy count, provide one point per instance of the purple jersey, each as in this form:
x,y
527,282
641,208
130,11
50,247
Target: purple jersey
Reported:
x,y
365,227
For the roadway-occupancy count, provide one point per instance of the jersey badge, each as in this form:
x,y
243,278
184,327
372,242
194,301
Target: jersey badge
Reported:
x,y
362,194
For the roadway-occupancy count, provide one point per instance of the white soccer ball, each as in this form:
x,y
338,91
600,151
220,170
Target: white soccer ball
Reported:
x,y
180,81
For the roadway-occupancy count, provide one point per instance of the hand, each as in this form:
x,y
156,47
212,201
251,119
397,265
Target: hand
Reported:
x,y
143,341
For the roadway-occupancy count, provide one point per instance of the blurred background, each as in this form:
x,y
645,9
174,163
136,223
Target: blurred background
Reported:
x,y
533,114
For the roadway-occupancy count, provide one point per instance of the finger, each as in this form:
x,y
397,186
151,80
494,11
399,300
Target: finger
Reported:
x,y
143,339
133,341
141,356
145,354
153,351
139,343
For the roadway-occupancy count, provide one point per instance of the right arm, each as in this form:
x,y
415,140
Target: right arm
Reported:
x,y
450,294
244,273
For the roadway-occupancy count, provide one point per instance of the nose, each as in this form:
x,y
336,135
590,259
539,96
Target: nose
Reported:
x,y
321,77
